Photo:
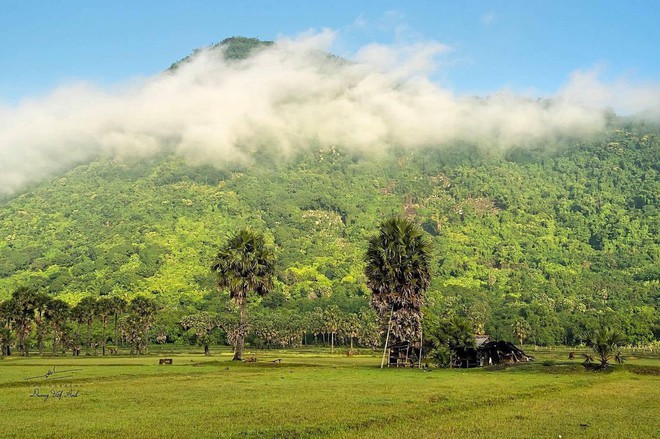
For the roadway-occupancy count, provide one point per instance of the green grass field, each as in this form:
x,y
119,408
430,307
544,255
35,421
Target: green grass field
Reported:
x,y
316,394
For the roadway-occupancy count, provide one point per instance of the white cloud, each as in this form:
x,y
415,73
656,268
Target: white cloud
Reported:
x,y
289,96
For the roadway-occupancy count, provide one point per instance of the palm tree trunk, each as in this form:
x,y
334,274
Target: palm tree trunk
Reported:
x,y
103,341
89,338
240,339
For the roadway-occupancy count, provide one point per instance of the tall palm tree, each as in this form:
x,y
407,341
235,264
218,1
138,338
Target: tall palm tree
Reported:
x,y
143,312
6,336
85,312
41,305
398,273
22,305
57,315
117,306
244,264
104,309
202,324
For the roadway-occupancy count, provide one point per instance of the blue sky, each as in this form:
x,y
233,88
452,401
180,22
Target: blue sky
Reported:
x,y
529,47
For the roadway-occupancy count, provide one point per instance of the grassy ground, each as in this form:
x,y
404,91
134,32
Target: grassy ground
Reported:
x,y
315,394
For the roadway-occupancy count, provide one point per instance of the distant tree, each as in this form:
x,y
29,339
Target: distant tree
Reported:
x,y
398,273
117,306
57,315
351,327
84,313
521,329
242,265
202,324
142,315
21,308
332,321
6,335
605,342
104,309
41,304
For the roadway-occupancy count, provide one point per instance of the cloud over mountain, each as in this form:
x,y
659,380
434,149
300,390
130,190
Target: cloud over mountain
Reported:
x,y
287,96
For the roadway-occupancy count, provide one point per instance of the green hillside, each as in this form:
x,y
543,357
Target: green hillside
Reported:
x,y
556,238
561,236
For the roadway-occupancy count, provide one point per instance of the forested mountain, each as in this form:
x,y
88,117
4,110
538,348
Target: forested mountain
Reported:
x,y
558,235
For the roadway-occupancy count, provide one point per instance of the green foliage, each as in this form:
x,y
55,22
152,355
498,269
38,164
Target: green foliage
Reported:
x,y
562,236
605,342
398,273
244,264
445,336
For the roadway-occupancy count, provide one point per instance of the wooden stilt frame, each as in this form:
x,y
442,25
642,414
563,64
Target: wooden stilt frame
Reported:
x,y
387,338
421,339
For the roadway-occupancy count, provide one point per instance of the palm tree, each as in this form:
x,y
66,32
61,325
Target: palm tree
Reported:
x,y
6,336
117,306
244,264
332,323
103,309
21,306
57,314
202,324
521,329
143,313
85,311
398,273
41,305
605,342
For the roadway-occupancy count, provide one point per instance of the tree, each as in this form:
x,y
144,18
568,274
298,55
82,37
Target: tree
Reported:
x,y
6,336
202,325
21,308
84,312
142,315
117,306
445,337
242,265
398,273
104,309
605,342
332,323
41,305
352,328
57,315
521,329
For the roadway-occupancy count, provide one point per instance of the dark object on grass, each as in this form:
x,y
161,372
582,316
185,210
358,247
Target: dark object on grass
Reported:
x,y
571,355
164,361
490,353
502,352
279,360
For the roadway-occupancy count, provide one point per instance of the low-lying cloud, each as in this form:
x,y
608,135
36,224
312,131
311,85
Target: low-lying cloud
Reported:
x,y
289,96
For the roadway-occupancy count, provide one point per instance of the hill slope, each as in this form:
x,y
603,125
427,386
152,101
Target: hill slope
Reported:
x,y
559,236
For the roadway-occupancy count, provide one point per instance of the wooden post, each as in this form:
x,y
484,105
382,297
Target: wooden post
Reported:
x,y
387,338
421,339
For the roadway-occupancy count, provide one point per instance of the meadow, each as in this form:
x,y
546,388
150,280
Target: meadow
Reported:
x,y
313,393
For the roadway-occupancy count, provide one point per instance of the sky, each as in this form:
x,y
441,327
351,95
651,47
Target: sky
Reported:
x,y
528,47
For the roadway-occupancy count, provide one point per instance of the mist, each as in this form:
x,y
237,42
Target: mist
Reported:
x,y
289,96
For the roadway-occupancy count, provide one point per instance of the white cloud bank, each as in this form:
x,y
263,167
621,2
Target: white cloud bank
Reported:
x,y
289,96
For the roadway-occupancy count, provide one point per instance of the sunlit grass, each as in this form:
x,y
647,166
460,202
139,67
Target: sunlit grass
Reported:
x,y
314,394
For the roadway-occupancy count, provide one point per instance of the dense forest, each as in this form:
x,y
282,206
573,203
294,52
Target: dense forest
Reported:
x,y
535,244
